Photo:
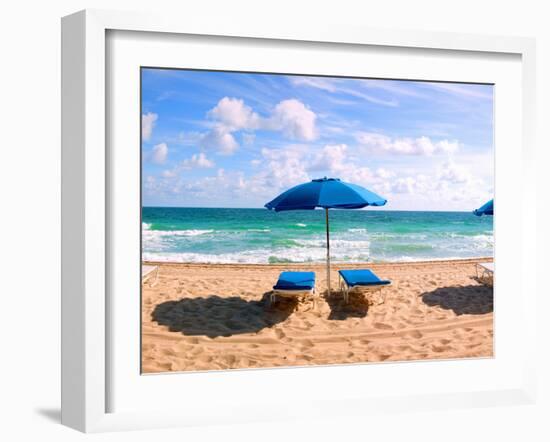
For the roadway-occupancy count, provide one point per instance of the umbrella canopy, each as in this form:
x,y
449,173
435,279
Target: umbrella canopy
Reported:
x,y
326,193
486,209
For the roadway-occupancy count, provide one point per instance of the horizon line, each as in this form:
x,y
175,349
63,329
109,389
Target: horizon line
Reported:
x,y
263,208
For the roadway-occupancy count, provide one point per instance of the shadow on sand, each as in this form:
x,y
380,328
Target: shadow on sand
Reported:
x,y
340,311
214,316
471,299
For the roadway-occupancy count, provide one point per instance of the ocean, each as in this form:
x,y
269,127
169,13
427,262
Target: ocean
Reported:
x,y
210,235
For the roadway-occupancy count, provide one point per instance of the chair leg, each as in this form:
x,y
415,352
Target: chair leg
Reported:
x,y
344,289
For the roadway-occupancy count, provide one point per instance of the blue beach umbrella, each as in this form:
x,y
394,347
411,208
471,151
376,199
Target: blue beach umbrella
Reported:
x,y
486,209
326,193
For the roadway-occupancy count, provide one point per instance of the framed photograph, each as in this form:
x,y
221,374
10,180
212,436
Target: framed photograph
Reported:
x,y
264,223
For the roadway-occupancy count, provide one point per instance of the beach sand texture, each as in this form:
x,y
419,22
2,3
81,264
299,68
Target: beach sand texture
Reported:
x,y
217,317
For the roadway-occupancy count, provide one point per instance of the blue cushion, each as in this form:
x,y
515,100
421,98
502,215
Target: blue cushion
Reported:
x,y
361,277
295,281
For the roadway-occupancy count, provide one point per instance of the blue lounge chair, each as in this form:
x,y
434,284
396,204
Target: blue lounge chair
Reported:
x,y
294,284
363,279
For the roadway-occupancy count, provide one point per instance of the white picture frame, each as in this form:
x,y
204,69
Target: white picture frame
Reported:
x,y
87,212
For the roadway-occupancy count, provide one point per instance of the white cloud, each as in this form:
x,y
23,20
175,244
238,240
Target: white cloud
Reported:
x,y
159,153
218,188
376,142
198,160
331,158
450,182
150,184
384,174
294,119
362,176
283,168
169,173
334,160
220,139
280,169
454,174
404,185
291,117
148,121
234,115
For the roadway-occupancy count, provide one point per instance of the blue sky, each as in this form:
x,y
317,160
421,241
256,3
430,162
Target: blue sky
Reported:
x,y
221,139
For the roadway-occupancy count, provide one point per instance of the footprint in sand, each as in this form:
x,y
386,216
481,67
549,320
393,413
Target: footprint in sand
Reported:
x,y
196,351
230,360
382,326
440,349
414,334
165,366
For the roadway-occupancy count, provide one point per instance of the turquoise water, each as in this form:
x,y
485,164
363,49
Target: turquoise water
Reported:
x,y
209,235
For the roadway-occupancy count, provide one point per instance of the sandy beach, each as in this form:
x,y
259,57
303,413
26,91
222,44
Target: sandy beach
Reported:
x,y
217,317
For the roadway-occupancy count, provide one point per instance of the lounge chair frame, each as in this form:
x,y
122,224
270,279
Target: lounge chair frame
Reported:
x,y
148,273
345,290
484,274
300,294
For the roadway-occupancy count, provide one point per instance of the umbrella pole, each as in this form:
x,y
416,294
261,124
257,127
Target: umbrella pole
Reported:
x,y
328,253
